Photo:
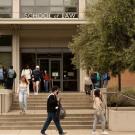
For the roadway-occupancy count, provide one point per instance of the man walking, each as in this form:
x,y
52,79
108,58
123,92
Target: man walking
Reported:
x,y
52,108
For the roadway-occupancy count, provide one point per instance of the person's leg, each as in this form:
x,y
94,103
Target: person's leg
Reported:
x,y
102,117
94,123
25,100
46,85
47,123
57,123
37,86
34,86
21,100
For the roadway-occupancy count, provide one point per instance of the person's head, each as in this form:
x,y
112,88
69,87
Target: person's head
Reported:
x,y
37,67
27,67
23,79
11,67
45,71
55,90
97,93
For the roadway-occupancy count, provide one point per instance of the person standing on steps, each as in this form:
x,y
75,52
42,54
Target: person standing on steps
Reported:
x,y
36,78
23,92
99,114
52,108
27,73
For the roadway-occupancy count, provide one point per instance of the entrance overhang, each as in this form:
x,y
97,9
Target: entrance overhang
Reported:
x,y
43,21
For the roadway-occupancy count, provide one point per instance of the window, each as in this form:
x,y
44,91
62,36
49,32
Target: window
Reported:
x,y
5,8
5,40
49,8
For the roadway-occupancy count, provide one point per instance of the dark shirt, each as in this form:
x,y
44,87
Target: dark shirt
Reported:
x,y
52,103
36,74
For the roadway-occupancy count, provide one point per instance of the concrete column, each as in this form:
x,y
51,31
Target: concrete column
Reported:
x,y
82,7
16,56
82,77
16,8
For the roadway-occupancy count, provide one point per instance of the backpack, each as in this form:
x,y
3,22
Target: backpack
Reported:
x,y
1,74
98,77
11,73
94,78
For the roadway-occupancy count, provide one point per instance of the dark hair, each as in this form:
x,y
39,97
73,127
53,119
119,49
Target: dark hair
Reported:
x,y
97,93
11,67
54,88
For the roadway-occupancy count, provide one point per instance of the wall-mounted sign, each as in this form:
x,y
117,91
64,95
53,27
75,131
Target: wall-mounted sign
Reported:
x,y
51,15
55,74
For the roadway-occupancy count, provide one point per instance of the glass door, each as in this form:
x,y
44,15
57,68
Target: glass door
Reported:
x,y
55,70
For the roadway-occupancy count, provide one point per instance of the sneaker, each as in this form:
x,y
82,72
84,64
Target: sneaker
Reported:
x,y
43,134
104,133
94,133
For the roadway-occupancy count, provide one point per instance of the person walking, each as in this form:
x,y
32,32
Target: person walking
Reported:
x,y
105,79
27,72
88,84
23,92
52,108
11,75
36,78
99,114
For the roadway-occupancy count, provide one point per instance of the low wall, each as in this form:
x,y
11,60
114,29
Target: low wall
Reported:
x,y
6,99
122,119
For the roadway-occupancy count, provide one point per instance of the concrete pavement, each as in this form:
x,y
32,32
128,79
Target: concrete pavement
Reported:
x,y
54,132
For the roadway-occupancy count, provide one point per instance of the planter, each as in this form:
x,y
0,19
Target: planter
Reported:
x,y
5,100
122,119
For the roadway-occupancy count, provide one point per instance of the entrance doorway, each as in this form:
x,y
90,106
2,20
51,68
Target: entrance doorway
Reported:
x,y
53,67
58,65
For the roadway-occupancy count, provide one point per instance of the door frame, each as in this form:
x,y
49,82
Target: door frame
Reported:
x,y
61,68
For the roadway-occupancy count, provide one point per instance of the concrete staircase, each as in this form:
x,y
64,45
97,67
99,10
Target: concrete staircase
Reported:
x,y
78,108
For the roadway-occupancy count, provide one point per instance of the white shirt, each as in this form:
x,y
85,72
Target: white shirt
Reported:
x,y
27,73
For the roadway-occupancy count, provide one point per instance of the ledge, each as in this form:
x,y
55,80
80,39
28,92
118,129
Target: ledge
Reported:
x,y
42,21
123,119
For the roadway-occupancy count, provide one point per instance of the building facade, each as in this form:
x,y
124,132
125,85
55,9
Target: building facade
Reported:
x,y
37,32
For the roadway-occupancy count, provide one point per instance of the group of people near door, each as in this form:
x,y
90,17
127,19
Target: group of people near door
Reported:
x,y
7,76
95,80
35,77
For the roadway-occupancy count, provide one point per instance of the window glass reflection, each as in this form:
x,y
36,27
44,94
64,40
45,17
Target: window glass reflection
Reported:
x,y
56,2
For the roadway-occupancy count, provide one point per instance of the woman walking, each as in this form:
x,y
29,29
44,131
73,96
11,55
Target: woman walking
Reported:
x,y
23,92
99,112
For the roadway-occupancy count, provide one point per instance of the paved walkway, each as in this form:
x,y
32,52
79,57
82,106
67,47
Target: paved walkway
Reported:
x,y
54,132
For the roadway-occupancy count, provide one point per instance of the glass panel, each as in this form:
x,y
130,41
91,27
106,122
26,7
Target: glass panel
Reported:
x,y
5,59
55,69
69,73
42,9
56,9
55,72
71,2
28,59
42,2
5,40
70,9
27,12
27,2
56,2
5,2
27,9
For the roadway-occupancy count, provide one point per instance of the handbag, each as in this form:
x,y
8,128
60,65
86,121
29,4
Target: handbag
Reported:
x,y
61,111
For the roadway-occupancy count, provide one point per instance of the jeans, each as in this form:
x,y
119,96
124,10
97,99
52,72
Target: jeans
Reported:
x,y
52,116
46,85
99,118
23,99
